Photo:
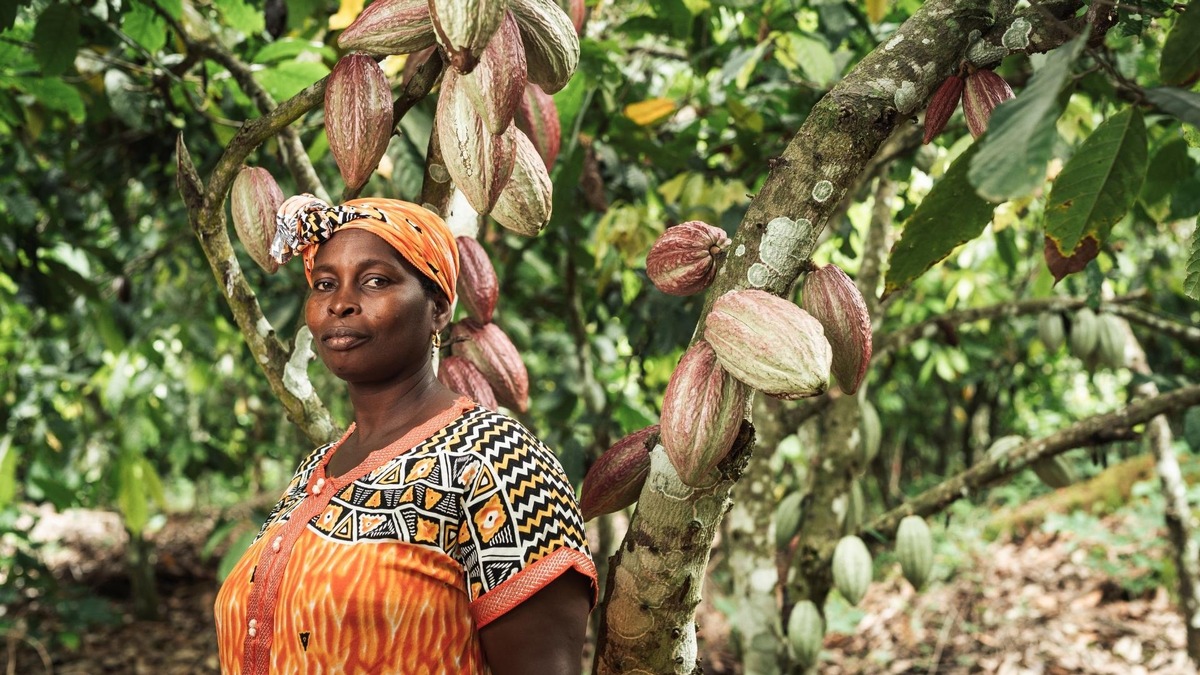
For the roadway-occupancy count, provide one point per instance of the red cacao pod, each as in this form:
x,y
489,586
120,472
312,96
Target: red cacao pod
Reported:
x,y
478,161
253,201
390,27
769,343
683,259
616,479
537,116
490,350
478,287
702,412
358,116
942,105
462,377
833,299
984,91
496,86
463,28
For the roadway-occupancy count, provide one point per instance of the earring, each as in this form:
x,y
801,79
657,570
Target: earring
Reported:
x,y
437,340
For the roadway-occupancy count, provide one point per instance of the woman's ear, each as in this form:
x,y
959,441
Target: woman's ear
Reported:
x,y
441,312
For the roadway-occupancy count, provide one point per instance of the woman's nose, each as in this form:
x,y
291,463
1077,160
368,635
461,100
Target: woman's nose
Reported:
x,y
342,305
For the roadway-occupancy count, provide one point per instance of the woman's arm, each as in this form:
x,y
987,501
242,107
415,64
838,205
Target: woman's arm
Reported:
x,y
543,634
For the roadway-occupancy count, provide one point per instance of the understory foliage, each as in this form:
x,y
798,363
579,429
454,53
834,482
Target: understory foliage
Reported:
x,y
127,385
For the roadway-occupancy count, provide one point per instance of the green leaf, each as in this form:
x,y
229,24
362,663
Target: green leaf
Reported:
x,y
289,78
1184,105
145,27
8,471
1181,52
289,48
56,38
173,8
131,492
1170,165
1021,132
1099,183
951,214
1191,284
54,94
242,16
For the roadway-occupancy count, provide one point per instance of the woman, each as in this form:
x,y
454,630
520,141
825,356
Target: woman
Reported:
x,y
435,536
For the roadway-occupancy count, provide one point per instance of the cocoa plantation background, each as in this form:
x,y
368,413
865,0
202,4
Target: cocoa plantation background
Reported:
x,y
1010,486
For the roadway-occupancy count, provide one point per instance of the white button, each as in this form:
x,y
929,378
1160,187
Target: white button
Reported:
x,y
253,623
277,543
252,632
317,489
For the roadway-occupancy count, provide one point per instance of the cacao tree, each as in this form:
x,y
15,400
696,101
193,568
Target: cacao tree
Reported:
x,y
794,129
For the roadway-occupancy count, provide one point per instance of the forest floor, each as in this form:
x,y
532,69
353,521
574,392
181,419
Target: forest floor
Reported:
x,y
1075,594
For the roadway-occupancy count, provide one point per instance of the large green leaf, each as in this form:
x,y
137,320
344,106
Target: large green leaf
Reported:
x,y
1099,183
1181,103
8,471
1021,132
1191,284
1170,165
951,214
145,27
54,94
241,15
1181,52
56,38
290,77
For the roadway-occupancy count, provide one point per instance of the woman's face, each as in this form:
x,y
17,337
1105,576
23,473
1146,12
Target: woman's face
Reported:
x,y
370,317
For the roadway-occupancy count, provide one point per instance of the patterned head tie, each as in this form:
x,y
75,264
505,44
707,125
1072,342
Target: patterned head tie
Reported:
x,y
304,222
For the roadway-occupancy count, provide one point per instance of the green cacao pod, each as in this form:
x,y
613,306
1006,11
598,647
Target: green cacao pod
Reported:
x,y
806,632
870,431
1085,333
1110,343
855,508
851,568
1052,330
787,519
1054,472
914,549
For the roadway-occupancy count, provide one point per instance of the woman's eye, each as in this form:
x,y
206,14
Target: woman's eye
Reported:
x,y
322,285
376,282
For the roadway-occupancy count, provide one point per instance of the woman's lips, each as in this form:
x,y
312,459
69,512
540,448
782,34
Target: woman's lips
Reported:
x,y
341,339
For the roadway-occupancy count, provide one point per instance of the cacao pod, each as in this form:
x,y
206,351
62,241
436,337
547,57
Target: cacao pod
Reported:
x,y
984,91
615,480
1110,341
537,117
1054,472
702,412
1085,333
551,44
806,632
462,377
490,350
577,11
1004,445
1051,330
358,117
856,508
527,201
833,299
497,85
851,568
871,431
478,287
914,550
787,519
479,162
390,27
463,28
684,258
254,199
769,343
941,106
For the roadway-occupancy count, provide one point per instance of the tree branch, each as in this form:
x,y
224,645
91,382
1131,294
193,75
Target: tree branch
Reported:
x,y
1189,335
1082,433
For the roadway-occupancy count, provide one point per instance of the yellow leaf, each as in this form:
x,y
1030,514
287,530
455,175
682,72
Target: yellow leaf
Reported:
x,y
347,13
876,10
645,113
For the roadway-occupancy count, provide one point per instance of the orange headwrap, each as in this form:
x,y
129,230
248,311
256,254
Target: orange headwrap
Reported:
x,y
304,222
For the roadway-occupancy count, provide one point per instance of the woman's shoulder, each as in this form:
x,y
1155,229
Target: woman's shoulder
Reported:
x,y
490,432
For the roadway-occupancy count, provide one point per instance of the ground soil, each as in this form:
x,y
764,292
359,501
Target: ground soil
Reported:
x,y
1037,604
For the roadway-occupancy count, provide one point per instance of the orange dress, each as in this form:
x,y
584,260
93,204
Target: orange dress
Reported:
x,y
395,566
